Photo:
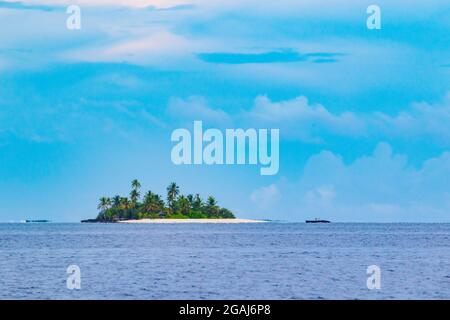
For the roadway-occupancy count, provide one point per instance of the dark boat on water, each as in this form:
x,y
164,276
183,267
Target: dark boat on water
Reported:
x,y
37,221
317,221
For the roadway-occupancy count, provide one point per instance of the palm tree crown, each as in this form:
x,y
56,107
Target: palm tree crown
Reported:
x,y
135,194
104,203
172,192
135,184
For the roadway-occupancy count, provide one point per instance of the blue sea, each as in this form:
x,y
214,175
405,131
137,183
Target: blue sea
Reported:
x,y
225,261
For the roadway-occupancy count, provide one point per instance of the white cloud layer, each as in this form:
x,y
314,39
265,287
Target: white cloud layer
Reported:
x,y
196,108
159,48
423,119
265,197
381,187
299,119
128,3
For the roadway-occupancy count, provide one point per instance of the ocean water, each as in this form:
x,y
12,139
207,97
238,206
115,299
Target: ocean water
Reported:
x,y
217,261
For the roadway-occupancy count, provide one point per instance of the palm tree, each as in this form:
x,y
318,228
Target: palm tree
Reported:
x,y
135,184
197,203
172,192
184,205
153,203
226,214
134,194
190,198
211,202
124,203
104,203
116,201
211,206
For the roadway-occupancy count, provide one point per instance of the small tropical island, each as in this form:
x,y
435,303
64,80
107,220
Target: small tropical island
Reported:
x,y
152,208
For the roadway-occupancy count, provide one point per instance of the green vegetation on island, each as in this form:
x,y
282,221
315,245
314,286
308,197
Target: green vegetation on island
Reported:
x,y
152,206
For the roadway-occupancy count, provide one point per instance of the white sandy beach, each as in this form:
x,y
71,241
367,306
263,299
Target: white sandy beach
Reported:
x,y
193,221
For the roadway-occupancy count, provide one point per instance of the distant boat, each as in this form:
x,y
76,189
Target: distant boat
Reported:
x,y
37,221
317,221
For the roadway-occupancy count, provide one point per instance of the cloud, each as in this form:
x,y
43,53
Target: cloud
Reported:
x,y
108,34
265,197
159,46
282,56
382,186
24,6
322,194
196,108
127,3
336,8
238,40
299,119
174,8
422,119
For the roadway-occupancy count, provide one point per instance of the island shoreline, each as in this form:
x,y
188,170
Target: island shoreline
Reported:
x,y
145,221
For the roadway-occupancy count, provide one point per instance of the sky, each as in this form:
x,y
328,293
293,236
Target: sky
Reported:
x,y
363,113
